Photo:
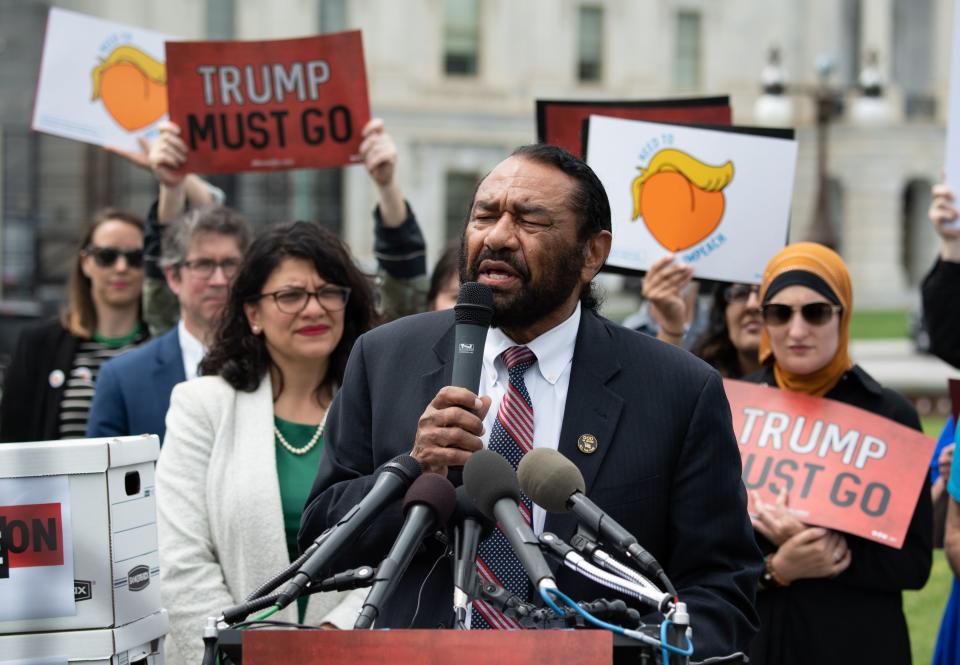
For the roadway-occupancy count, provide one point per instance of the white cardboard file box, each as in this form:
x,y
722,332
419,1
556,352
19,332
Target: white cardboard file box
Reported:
x,y
140,642
112,516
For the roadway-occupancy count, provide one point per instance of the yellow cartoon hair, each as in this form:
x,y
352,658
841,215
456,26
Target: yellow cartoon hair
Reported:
x,y
151,68
706,177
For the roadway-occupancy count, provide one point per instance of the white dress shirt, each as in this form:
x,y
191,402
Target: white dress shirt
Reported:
x,y
547,381
191,349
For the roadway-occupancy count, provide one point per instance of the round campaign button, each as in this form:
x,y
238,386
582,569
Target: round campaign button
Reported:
x,y
587,443
56,378
83,373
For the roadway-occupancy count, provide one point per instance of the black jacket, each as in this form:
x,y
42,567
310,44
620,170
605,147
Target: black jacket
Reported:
x,y
33,389
941,310
666,467
857,616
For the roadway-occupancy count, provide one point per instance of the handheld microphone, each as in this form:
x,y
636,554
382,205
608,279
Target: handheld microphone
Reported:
x,y
473,313
556,484
393,480
427,506
492,486
470,527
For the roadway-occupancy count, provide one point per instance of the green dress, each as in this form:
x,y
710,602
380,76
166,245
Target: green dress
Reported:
x,y
296,474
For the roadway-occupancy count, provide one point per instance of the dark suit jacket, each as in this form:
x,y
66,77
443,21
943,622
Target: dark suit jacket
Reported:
x,y
30,410
667,466
133,390
940,291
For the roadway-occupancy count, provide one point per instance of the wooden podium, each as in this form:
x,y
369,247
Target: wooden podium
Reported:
x,y
427,647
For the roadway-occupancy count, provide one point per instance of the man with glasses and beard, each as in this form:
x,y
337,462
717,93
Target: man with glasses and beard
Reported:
x,y
202,251
647,424
50,382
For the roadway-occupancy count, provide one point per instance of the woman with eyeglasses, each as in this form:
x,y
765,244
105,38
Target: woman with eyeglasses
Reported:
x,y
827,597
732,339
244,440
50,382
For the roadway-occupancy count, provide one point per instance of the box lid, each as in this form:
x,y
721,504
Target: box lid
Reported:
x,y
70,456
99,644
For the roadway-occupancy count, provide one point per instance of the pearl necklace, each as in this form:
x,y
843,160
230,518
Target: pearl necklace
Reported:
x,y
310,444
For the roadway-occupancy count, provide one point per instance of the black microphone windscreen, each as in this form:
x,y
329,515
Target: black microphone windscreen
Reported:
x,y
549,478
488,478
474,304
467,510
434,491
405,466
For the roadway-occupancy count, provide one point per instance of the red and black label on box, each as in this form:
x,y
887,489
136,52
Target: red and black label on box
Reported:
x,y
30,535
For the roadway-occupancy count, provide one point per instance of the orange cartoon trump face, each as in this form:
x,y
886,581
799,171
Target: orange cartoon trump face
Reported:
x,y
132,86
680,198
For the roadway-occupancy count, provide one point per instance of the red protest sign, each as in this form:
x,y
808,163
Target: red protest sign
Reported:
x,y
270,105
560,122
843,468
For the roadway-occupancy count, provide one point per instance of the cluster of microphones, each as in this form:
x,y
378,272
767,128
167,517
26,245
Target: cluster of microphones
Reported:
x,y
463,516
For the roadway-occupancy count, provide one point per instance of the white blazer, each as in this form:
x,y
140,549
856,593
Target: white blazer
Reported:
x,y
219,516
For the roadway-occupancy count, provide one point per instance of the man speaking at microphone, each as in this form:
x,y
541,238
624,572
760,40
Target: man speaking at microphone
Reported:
x,y
647,424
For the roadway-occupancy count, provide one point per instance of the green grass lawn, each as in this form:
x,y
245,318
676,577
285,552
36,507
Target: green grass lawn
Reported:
x,y
879,324
925,607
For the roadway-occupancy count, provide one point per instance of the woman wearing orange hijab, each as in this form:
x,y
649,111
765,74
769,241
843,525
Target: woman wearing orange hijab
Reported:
x,y
827,597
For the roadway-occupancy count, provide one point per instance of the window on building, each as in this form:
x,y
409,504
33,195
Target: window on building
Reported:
x,y
221,19
913,56
460,186
333,15
461,37
590,44
919,241
687,50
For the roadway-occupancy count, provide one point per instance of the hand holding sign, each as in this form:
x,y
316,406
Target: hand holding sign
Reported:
x,y
167,155
775,523
812,553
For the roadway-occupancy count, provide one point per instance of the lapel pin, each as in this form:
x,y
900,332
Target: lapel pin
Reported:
x,y
56,378
587,443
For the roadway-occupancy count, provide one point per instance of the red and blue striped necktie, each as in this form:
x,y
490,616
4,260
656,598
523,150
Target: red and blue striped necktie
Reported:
x,y
512,437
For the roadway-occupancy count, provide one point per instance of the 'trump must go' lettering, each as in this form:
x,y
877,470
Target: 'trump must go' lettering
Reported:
x,y
819,438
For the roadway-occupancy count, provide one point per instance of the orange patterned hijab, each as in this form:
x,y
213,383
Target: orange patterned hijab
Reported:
x,y
826,264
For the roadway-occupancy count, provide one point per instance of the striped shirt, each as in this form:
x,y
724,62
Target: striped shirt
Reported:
x,y
78,390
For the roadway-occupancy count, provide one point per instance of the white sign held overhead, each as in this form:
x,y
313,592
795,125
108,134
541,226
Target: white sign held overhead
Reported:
x,y
100,82
951,166
36,548
717,200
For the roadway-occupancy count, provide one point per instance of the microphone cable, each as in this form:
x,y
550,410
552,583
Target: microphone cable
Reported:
x,y
551,594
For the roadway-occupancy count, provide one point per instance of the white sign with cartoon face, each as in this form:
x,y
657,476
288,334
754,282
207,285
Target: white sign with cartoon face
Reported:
x,y
100,82
718,200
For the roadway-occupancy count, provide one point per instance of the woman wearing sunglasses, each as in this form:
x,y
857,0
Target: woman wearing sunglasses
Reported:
x,y
244,440
50,382
732,338
827,597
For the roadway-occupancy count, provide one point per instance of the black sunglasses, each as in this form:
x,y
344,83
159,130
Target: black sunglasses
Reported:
x,y
737,293
107,256
814,313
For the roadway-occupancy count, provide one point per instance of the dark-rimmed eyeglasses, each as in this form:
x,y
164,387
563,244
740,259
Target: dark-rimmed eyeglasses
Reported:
x,y
739,293
294,301
107,256
814,313
206,267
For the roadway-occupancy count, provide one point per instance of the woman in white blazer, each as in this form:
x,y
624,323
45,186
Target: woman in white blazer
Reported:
x,y
243,441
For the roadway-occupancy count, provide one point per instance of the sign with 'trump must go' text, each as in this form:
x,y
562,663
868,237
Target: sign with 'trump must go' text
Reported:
x,y
842,467
270,105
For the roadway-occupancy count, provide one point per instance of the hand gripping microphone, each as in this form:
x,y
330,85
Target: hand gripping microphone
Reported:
x,y
427,506
556,484
470,527
473,313
393,480
492,486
